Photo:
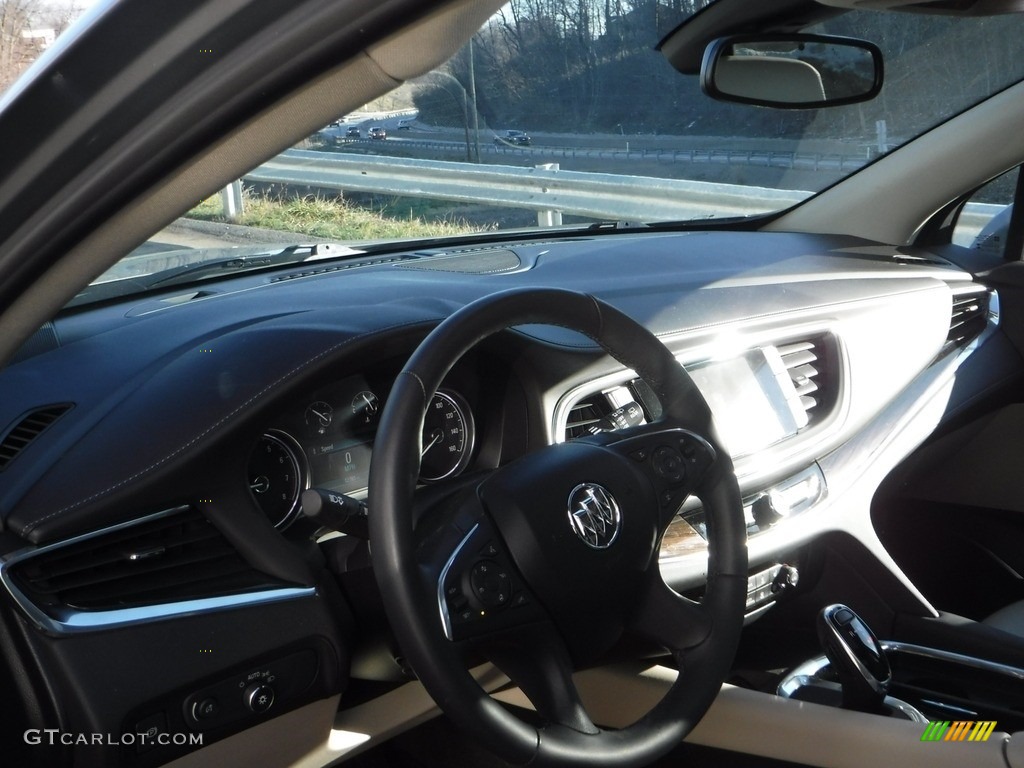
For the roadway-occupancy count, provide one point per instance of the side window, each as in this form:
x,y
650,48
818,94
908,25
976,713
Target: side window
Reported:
x,y
984,223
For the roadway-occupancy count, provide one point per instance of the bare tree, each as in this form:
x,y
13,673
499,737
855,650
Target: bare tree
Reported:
x,y
26,28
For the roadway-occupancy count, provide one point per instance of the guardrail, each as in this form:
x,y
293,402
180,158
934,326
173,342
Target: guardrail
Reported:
x,y
548,191
594,195
808,161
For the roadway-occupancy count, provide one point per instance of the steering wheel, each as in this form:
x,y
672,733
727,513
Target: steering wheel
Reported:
x,y
549,560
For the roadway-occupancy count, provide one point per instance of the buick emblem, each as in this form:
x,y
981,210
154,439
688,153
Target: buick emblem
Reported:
x,y
594,515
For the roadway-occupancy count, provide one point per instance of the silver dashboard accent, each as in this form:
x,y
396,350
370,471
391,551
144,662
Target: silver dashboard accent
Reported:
x,y
937,654
594,515
67,621
442,604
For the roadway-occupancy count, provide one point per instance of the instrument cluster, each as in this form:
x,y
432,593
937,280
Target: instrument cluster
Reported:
x,y
327,443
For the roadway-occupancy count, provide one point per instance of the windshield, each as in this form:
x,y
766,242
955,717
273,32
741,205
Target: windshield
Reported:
x,y
563,113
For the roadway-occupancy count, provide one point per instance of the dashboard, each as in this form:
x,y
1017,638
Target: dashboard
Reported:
x,y
823,359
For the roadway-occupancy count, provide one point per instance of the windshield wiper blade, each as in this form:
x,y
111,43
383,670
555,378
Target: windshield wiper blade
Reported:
x,y
292,254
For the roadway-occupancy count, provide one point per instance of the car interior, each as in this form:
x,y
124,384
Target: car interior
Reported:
x,y
742,492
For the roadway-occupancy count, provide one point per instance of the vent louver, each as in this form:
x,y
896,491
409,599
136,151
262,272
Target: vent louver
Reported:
x,y
588,411
968,316
802,360
166,558
31,426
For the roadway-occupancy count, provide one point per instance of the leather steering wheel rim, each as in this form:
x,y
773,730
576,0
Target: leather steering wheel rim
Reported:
x,y
412,609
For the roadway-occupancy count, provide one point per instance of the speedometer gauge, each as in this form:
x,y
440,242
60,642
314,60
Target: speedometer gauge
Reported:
x,y
447,437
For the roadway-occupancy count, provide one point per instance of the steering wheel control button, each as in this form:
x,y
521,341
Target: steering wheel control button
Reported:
x,y
640,454
259,698
491,584
479,590
669,464
696,451
489,550
594,515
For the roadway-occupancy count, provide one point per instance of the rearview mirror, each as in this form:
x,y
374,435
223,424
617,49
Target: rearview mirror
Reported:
x,y
791,71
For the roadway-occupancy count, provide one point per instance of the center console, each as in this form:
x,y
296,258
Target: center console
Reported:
x,y
924,685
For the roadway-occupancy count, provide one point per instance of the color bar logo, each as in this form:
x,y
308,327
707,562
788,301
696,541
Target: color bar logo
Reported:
x,y
958,730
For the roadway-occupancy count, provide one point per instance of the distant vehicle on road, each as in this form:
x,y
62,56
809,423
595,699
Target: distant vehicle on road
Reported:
x,y
405,125
353,133
514,138
376,132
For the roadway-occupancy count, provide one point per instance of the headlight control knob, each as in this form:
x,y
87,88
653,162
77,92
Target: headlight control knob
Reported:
x,y
259,697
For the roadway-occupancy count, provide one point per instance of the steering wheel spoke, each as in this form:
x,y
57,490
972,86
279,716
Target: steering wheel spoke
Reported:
x,y
669,619
471,575
537,661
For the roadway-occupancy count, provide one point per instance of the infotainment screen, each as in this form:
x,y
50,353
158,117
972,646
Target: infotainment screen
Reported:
x,y
746,396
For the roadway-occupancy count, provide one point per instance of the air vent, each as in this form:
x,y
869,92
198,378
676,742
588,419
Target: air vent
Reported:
x,y
166,558
968,317
27,430
803,362
586,412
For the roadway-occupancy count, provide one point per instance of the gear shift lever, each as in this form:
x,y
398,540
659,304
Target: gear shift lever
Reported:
x,y
856,656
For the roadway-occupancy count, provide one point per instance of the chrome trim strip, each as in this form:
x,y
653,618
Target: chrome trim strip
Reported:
x,y
442,604
937,654
68,621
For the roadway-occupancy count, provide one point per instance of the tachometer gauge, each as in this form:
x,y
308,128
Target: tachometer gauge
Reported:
x,y
447,437
277,476
319,416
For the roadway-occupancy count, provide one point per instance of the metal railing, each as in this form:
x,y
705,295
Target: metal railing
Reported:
x,y
809,161
548,191
544,188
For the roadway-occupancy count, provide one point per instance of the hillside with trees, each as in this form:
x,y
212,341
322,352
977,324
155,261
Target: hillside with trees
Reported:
x,y
577,66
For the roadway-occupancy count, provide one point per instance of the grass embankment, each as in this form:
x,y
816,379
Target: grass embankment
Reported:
x,y
330,219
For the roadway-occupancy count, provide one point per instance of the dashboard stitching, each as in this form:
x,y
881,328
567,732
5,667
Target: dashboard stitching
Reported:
x,y
36,523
